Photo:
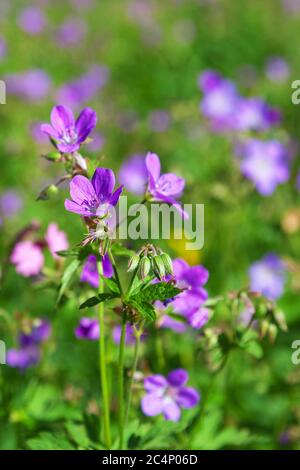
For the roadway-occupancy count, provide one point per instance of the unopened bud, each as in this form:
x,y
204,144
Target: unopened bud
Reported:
x,y
167,263
272,333
280,320
158,266
144,267
52,156
133,263
264,328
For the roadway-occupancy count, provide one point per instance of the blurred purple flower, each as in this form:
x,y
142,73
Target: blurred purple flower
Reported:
x,y
265,163
56,240
169,322
71,32
168,395
133,174
277,69
88,329
90,273
83,3
38,135
129,334
255,114
28,258
2,49
97,142
28,352
291,6
298,181
32,20
68,133
267,276
159,120
83,89
93,198
10,204
32,85
166,187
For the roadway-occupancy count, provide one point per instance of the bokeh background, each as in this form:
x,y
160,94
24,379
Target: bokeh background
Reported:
x,y
137,63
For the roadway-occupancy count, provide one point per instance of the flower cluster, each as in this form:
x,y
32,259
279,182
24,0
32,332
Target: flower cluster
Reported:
x,y
29,344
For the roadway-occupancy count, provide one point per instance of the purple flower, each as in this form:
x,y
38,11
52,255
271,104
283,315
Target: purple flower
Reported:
x,y
32,20
71,32
255,114
291,6
93,198
68,133
129,334
2,49
97,142
159,120
133,174
265,163
32,85
168,395
268,276
169,322
56,240
166,187
28,352
277,69
90,272
10,204
88,329
28,258
83,89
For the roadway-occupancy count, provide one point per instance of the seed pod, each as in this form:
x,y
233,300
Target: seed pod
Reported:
x,y
144,267
167,263
158,266
133,263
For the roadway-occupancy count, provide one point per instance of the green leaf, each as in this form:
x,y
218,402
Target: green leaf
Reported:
x,y
161,291
97,299
145,309
67,277
112,284
48,441
68,253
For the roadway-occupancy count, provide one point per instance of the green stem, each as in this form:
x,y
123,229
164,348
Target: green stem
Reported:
x,y
121,382
102,362
138,334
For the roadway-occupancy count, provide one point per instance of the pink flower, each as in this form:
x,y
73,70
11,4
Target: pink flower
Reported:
x,y
56,240
28,258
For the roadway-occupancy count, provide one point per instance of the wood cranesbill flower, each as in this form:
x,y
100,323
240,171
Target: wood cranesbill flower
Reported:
x,y
93,198
90,273
65,131
168,395
166,187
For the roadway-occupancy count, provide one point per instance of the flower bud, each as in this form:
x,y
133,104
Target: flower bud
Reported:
x,y
264,328
272,333
133,263
144,267
52,156
280,320
158,266
168,265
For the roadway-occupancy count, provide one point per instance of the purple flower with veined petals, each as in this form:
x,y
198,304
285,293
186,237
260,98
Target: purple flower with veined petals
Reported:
x,y
68,133
133,174
168,395
165,187
265,163
267,276
90,272
88,329
93,198
190,302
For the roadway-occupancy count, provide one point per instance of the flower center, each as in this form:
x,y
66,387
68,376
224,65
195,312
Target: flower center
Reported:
x,y
70,135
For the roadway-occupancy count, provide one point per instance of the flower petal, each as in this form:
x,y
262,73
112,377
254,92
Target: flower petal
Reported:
x,y
152,404
153,166
72,206
171,184
115,197
85,123
171,410
155,383
81,190
103,182
107,266
188,397
62,118
47,129
178,377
